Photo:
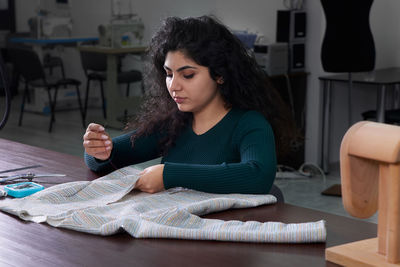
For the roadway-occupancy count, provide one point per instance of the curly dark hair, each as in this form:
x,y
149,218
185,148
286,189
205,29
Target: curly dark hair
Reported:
x,y
211,44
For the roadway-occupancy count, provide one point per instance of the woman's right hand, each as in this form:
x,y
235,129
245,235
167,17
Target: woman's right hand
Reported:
x,y
97,142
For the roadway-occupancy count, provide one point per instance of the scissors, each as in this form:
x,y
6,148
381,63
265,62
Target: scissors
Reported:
x,y
29,176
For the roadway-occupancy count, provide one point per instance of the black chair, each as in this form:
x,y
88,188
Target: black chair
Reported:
x,y
31,69
277,192
95,67
51,62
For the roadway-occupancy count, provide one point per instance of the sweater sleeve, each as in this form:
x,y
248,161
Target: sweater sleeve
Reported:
x,y
124,154
254,174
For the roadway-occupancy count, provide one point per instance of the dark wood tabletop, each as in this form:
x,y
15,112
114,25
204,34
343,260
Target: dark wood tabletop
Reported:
x,y
30,244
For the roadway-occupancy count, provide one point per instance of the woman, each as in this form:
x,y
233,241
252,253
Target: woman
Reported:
x,y
206,114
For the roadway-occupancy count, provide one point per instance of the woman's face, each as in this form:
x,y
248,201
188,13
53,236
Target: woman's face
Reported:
x,y
190,84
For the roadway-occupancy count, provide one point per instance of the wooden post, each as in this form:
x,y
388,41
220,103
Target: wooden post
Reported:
x,y
393,223
383,204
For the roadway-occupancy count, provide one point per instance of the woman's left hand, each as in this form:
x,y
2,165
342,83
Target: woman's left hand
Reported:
x,y
151,179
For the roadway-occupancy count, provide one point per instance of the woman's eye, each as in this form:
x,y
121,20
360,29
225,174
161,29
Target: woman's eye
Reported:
x,y
169,75
188,76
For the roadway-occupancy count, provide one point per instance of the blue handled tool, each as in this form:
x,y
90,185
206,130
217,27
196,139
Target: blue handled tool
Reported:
x,y
22,189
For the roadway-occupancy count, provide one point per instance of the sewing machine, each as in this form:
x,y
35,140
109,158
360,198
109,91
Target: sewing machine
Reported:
x,y
122,33
50,26
56,26
53,19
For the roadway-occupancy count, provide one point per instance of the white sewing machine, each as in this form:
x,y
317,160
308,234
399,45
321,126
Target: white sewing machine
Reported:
x,y
53,19
56,26
121,33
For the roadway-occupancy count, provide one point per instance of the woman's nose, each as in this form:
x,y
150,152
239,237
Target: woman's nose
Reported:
x,y
174,84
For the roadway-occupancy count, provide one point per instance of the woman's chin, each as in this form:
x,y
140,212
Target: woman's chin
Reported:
x,y
184,109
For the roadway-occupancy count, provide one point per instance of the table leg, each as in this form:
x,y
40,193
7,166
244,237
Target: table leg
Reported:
x,y
112,94
326,125
396,96
349,100
380,104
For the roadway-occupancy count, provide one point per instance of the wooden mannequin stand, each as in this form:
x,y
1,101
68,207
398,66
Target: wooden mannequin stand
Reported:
x,y
370,159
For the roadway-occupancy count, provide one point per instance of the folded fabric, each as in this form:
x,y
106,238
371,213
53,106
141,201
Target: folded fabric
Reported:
x,y
109,205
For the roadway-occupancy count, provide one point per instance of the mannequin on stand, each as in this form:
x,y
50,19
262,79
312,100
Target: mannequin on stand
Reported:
x,y
348,45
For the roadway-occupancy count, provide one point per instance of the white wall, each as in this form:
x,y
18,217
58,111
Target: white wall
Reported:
x,y
260,16
151,12
254,15
385,21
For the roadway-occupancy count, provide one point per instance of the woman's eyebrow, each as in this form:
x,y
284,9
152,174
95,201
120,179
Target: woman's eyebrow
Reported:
x,y
181,68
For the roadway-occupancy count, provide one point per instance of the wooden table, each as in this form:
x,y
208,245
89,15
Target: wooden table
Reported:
x,y
39,44
53,40
30,244
116,104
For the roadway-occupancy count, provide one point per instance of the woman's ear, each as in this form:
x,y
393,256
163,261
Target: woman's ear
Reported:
x,y
220,80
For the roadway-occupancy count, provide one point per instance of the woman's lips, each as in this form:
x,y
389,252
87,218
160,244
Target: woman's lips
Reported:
x,y
179,100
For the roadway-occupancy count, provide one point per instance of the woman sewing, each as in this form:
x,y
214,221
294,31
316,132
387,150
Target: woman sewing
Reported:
x,y
207,113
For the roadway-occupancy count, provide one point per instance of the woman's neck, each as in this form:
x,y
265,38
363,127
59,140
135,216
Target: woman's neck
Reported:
x,y
208,118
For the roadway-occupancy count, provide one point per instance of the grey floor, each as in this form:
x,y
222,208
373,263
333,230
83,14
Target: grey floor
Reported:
x,y
67,135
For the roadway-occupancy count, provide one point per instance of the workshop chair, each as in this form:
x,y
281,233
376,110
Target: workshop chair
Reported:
x,y
31,70
95,68
50,62
277,192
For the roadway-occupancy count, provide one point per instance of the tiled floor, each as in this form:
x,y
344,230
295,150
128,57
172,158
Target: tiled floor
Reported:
x,y
67,134
306,192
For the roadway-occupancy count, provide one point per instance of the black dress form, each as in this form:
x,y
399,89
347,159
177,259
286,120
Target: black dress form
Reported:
x,y
348,44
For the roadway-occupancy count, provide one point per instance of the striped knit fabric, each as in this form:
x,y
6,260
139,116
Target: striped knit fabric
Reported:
x,y
109,205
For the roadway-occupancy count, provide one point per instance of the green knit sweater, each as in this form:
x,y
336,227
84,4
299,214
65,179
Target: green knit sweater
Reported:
x,y
237,155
